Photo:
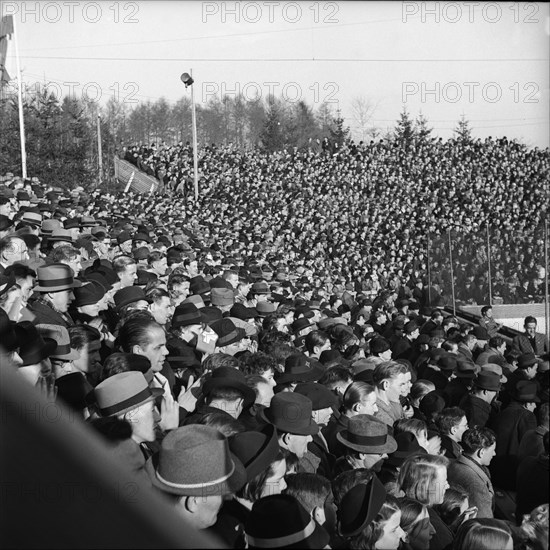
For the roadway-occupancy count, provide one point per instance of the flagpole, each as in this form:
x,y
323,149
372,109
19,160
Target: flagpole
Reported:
x,y
20,102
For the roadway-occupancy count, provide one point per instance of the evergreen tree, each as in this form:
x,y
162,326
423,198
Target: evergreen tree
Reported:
x,y
422,130
339,133
272,138
59,139
256,118
307,128
463,131
404,131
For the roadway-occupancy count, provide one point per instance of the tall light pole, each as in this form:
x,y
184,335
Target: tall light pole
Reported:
x,y
489,266
187,79
452,270
99,149
429,270
546,301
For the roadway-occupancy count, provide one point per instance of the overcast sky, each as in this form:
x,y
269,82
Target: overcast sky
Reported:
x,y
488,61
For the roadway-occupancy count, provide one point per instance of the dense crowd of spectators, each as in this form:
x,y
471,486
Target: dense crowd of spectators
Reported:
x,y
270,361
379,210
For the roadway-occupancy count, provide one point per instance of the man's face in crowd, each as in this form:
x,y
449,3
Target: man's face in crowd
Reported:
x,y
162,311
406,387
269,376
155,350
374,461
265,394
396,386
160,267
26,285
126,247
89,359
531,329
143,420
461,428
6,209
128,276
488,454
233,280
16,253
182,290
75,264
322,416
298,444
62,299
244,288
275,484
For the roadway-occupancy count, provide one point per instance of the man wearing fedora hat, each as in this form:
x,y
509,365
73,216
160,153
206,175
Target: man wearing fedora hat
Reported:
x,y
367,443
55,284
196,470
323,402
63,357
477,404
226,391
528,364
292,414
127,396
510,425
231,338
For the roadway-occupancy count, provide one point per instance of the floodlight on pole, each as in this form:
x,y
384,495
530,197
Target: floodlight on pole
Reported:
x,y
187,79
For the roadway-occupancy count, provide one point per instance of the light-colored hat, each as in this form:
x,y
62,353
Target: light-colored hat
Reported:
x,y
123,392
61,335
55,277
195,460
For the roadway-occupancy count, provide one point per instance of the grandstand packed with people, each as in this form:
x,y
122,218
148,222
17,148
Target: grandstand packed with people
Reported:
x,y
364,212
276,359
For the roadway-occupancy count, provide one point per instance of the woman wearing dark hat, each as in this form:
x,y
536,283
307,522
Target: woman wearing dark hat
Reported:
x,y
265,467
407,445
369,518
90,300
34,351
293,526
